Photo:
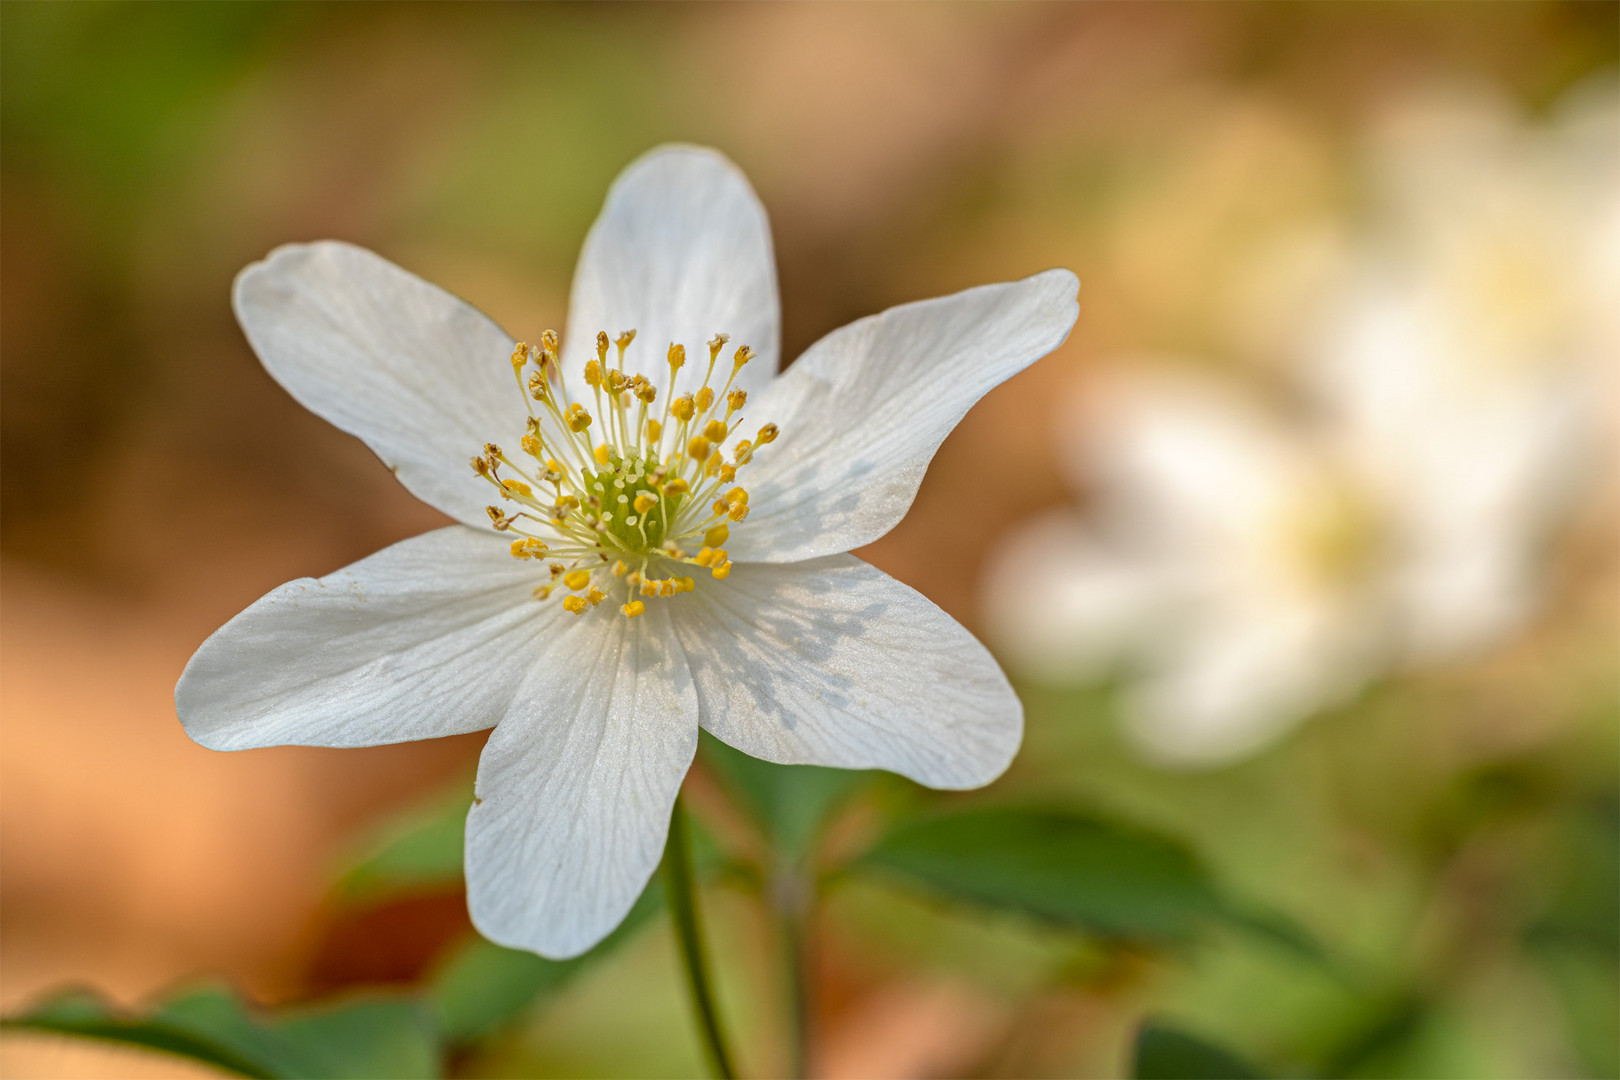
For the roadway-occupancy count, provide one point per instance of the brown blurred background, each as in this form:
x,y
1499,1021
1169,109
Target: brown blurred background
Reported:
x,y
155,480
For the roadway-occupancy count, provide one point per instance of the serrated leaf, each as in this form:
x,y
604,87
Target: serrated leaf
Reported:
x,y
789,803
1113,880
1164,1053
485,986
361,1038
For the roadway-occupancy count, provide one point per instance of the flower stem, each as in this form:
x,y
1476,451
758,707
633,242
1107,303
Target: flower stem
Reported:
x,y
681,892
792,909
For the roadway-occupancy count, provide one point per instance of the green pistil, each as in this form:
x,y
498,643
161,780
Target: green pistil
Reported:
x,y
617,486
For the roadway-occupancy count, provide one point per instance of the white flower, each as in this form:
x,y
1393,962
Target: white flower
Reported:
x,y
1254,565
591,605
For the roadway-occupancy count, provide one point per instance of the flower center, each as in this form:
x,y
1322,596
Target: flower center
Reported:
x,y
1335,537
615,517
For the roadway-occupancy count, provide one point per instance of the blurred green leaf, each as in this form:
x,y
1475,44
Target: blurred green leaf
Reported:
x,y
420,850
1163,1053
1577,940
789,803
1113,880
485,986
355,1039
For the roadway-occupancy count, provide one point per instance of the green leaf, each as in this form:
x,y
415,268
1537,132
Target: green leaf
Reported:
x,y
418,851
1076,871
789,803
485,986
1163,1053
83,1013
354,1039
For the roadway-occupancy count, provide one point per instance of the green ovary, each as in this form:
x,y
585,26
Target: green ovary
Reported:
x,y
617,486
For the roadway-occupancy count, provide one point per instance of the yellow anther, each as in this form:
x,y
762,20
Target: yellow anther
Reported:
x,y
517,487
720,506
705,557
593,373
556,569
728,473
677,486
720,558
684,584
649,587
520,356
666,588
548,341
644,502
697,448
682,407
736,400
615,381
717,343
542,591
714,430
564,504
737,495
577,418
577,579
713,465
721,572
492,452
654,430
624,339
554,465
766,434
528,548
633,608
704,398
532,446
677,356
574,605
601,453
742,355
646,391
601,345
618,568
538,387
496,518
738,512
595,596
480,466
717,535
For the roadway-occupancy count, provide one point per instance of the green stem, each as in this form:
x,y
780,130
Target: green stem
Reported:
x,y
682,896
792,908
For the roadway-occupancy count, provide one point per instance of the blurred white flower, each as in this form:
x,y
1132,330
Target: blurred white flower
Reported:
x,y
1248,564
621,501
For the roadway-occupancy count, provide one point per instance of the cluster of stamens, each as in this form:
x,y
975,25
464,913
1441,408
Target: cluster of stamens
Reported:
x,y
615,518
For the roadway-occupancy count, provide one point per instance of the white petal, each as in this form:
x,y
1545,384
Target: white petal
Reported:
x,y
1187,466
833,662
576,784
862,412
421,376
680,252
428,637
1064,607
1240,677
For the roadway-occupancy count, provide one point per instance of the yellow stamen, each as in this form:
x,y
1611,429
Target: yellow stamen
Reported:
x,y
717,535
574,605
633,608
577,579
